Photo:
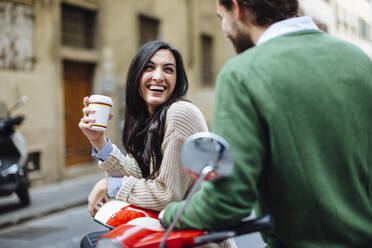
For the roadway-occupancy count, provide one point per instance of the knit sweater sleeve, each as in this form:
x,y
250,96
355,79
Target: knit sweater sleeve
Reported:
x,y
172,182
119,165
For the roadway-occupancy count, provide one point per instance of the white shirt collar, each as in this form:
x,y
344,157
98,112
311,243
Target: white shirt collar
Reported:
x,y
287,26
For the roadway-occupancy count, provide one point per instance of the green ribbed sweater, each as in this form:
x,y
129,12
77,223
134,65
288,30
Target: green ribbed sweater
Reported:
x,y
297,112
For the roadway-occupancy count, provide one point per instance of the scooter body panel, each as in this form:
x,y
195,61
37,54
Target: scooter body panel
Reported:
x,y
185,238
129,213
128,235
9,167
9,153
13,157
115,213
132,236
20,144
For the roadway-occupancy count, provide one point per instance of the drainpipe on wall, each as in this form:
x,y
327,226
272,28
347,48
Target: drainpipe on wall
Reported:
x,y
190,32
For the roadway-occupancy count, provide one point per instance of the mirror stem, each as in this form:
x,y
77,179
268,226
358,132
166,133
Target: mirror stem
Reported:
x,y
206,170
20,102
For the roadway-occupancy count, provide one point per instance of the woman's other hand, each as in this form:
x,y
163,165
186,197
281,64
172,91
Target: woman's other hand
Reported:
x,y
98,196
96,138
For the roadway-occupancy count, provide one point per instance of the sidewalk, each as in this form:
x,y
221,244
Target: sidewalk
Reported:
x,y
47,199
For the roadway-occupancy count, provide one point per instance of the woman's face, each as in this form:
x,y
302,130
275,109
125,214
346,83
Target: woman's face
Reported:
x,y
158,79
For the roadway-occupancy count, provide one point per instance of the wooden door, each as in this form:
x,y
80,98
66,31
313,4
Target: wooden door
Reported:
x,y
77,81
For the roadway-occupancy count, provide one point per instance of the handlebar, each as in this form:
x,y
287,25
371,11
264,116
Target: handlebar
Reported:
x,y
6,125
264,223
17,120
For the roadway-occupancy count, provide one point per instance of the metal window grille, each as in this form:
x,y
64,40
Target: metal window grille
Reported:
x,y
78,27
207,60
148,29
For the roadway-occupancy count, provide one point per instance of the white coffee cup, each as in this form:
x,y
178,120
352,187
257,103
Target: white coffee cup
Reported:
x,y
102,106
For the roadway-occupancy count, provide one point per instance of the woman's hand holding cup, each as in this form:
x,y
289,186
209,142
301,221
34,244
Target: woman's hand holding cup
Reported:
x,y
96,137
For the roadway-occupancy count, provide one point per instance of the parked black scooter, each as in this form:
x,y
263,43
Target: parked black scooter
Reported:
x,y
13,155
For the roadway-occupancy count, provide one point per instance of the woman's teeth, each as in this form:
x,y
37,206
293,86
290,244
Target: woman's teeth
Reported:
x,y
157,88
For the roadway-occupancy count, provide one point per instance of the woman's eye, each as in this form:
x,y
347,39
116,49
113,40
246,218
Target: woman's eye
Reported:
x,y
148,67
169,69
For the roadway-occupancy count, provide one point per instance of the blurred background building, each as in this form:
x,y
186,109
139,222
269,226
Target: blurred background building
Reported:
x,y
58,51
344,19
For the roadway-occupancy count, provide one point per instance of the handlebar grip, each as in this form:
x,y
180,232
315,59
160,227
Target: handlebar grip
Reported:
x,y
264,223
7,125
17,120
214,237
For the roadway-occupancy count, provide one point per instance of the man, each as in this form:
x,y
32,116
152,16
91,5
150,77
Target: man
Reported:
x,y
295,107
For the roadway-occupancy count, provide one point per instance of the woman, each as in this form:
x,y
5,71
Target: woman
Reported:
x,y
157,121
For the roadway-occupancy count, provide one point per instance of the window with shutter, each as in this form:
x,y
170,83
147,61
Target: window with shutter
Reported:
x,y
207,60
148,29
78,27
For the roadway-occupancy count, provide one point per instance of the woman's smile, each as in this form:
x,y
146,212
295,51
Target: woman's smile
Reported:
x,y
157,88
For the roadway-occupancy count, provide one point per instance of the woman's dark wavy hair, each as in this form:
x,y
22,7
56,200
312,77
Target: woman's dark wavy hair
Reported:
x,y
267,12
143,133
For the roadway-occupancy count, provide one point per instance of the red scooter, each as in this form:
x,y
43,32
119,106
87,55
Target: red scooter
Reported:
x,y
205,156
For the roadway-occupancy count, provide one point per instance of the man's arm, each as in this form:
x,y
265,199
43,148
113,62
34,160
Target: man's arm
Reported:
x,y
224,202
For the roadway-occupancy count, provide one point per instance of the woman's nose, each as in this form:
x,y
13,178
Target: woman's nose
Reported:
x,y
158,75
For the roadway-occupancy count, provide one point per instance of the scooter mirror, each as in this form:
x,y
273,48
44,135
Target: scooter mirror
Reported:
x,y
206,148
19,103
23,99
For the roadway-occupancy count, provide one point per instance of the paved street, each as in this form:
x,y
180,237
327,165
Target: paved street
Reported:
x,y
59,230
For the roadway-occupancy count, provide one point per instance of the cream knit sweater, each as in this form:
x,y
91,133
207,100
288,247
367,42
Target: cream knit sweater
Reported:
x,y
172,182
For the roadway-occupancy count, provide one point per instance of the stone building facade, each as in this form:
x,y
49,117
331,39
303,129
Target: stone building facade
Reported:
x,y
57,51
344,19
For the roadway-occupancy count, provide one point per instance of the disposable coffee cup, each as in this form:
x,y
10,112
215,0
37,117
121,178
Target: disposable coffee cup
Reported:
x,y
102,106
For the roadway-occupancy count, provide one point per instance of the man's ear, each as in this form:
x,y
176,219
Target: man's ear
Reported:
x,y
238,9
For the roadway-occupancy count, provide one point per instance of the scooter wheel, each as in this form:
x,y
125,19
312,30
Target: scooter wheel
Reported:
x,y
23,195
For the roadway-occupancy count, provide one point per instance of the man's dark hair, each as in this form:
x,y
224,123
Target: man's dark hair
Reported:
x,y
266,12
